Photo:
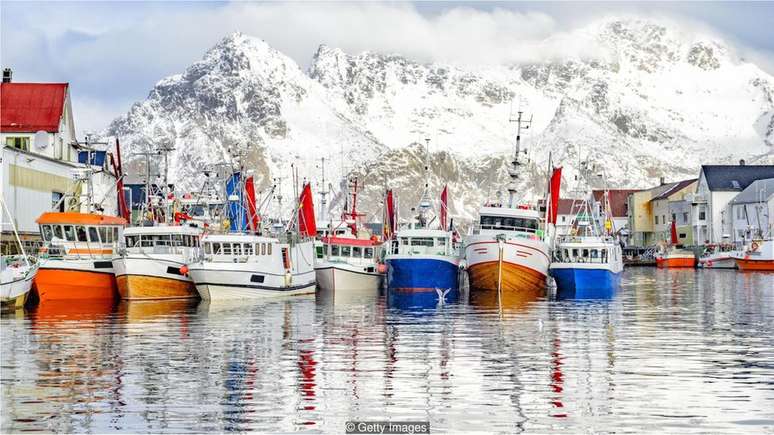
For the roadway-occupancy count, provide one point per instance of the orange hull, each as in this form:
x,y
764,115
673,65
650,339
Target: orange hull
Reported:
x,y
676,262
515,278
138,287
63,284
762,265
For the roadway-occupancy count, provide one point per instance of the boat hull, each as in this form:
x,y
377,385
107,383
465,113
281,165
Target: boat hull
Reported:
x,y
15,293
216,292
755,265
75,279
335,277
524,264
227,284
675,262
515,277
586,283
717,263
152,278
426,273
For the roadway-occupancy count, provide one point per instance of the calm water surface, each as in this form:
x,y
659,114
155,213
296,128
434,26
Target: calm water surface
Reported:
x,y
673,350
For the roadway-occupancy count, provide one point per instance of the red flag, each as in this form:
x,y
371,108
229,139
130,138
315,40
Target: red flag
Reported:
x,y
306,222
674,233
444,207
123,210
555,187
390,224
253,218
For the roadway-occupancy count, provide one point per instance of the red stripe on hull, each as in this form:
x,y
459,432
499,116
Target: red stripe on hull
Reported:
x,y
760,265
62,284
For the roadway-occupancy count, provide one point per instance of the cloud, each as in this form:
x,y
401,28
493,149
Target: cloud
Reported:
x,y
113,53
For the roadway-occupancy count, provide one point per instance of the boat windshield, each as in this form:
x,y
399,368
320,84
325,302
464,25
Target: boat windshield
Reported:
x,y
583,255
528,225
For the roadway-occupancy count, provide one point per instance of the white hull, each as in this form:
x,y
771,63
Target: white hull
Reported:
x,y
337,276
527,253
722,260
215,292
10,291
154,265
215,281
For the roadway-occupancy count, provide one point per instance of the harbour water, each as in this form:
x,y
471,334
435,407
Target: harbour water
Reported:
x,y
672,351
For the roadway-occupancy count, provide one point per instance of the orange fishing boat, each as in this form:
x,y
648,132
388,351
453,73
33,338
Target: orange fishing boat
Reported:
x,y
76,258
672,255
757,256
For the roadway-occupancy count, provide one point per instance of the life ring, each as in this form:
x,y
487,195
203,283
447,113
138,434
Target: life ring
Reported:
x,y
753,246
709,263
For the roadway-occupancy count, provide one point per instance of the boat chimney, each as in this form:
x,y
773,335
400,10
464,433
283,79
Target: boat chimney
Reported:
x,y
661,181
741,162
7,75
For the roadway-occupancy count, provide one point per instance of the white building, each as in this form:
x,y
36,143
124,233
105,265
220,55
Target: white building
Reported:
x,y
718,185
752,211
40,156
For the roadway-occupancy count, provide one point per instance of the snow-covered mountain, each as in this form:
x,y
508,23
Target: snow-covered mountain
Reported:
x,y
657,101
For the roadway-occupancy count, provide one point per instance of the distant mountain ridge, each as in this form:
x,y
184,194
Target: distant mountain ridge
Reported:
x,y
660,102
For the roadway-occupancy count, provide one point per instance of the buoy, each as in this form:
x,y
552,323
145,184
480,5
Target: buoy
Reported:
x,y
184,270
381,268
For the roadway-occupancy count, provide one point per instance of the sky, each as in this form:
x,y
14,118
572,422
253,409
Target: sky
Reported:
x,y
112,53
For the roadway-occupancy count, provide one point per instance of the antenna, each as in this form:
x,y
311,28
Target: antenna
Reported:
x,y
323,191
513,171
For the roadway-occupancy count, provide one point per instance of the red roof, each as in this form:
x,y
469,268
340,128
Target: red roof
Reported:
x,y
569,206
618,200
31,107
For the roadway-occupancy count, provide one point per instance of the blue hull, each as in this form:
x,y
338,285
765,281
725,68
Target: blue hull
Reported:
x,y
585,283
421,274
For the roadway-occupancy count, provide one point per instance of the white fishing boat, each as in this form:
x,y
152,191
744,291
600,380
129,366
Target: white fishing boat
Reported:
x,y
347,255
506,249
149,266
16,271
250,266
720,256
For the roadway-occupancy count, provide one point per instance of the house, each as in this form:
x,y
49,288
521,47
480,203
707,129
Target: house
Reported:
x,y
40,155
752,211
619,209
674,204
650,211
566,211
717,186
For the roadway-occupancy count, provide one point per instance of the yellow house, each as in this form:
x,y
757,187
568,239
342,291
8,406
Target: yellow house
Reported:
x,y
652,211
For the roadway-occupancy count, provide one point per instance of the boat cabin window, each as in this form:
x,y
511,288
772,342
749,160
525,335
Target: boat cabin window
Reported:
x,y
248,249
69,233
404,241
264,249
226,249
268,249
335,250
319,251
81,232
237,249
93,236
208,248
346,251
357,252
422,241
216,248
368,253
509,223
46,233
58,233
103,234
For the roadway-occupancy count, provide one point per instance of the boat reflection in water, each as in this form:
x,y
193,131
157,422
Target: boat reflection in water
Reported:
x,y
507,300
331,297
601,293
408,299
149,310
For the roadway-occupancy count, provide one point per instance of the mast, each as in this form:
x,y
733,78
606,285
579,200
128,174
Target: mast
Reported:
x,y
323,192
424,202
513,171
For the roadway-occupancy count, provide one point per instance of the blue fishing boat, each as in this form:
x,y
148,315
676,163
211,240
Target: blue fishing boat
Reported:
x,y
424,259
585,262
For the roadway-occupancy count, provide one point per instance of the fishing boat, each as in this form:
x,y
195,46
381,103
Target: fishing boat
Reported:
x,y
672,255
149,266
349,260
76,259
720,256
16,271
506,248
587,260
758,255
240,265
421,258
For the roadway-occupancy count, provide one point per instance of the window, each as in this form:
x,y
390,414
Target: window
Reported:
x,y
177,240
263,248
115,234
248,249
20,143
368,253
685,217
564,219
422,241
663,219
237,249
58,232
93,236
319,251
131,241
681,235
45,231
594,253
346,251
81,232
226,249
56,202
739,214
146,241
509,223
103,232
268,249
216,248
441,241
656,220
335,250
585,253
404,241
208,248
702,215
357,252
